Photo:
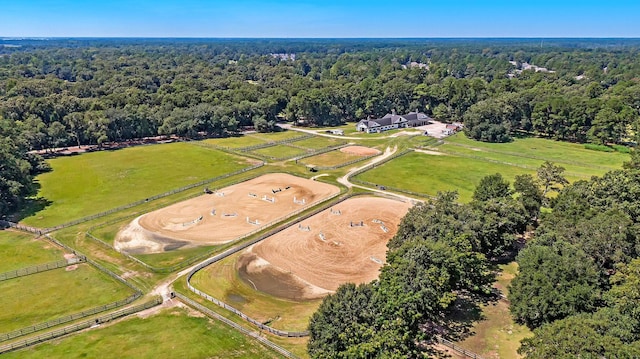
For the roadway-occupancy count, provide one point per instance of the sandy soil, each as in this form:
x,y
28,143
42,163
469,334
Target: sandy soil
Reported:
x,y
310,266
194,222
360,150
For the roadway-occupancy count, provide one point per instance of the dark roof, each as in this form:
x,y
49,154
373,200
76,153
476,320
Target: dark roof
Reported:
x,y
390,119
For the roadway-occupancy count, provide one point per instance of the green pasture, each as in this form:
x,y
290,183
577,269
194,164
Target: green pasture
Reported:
x,y
172,333
87,184
235,142
332,158
572,170
563,153
20,250
318,142
279,151
277,136
430,174
49,295
222,281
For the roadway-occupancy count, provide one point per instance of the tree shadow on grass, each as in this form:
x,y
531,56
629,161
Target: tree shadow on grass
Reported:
x,y
30,207
464,313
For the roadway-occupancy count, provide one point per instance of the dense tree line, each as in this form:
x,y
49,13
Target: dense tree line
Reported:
x,y
579,279
70,92
442,254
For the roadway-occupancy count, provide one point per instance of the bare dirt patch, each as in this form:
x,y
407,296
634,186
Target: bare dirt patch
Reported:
x,y
309,260
430,152
360,150
71,267
221,217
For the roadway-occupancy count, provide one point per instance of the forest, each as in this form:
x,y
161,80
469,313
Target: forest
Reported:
x,y
580,271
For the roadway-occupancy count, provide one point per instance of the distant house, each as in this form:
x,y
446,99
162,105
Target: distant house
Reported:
x,y
393,121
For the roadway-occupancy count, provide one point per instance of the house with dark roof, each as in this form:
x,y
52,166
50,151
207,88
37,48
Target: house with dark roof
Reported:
x,y
393,121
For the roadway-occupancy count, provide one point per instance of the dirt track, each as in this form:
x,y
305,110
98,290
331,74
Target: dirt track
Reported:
x,y
194,222
310,266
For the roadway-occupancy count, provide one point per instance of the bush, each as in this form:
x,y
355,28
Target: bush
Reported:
x,y
621,148
601,148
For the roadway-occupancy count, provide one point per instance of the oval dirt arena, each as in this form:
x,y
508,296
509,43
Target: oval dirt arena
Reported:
x,y
360,150
222,216
346,243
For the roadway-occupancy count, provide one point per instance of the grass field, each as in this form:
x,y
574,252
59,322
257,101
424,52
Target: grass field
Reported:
x,y
277,136
19,250
423,173
49,295
279,151
332,158
497,335
235,142
555,151
172,333
316,143
221,280
91,183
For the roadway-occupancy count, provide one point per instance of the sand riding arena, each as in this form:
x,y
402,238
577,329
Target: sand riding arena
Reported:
x,y
359,150
221,216
345,243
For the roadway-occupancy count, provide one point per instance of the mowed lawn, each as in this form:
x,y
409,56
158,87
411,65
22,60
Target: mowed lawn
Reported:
x,y
20,250
277,136
172,333
318,142
562,153
279,151
91,183
44,296
222,281
430,174
332,158
235,142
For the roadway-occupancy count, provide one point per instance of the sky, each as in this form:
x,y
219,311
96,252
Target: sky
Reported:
x,y
319,19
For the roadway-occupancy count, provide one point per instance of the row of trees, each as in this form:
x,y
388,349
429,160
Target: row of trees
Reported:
x,y
440,258
91,92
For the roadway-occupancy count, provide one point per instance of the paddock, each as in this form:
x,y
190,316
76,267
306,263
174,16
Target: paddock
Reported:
x,y
345,243
223,216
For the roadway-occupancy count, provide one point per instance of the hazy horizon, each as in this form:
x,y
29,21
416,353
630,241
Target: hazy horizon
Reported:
x,y
319,19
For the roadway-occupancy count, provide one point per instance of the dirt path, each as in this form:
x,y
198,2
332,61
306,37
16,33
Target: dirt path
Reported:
x,y
387,153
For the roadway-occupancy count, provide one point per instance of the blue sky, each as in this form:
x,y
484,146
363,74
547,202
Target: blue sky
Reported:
x,y
329,18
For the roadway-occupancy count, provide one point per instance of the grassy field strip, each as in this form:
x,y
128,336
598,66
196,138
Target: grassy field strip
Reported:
x,y
317,143
519,161
430,174
235,142
497,335
20,250
296,345
497,153
545,149
54,294
279,152
221,280
95,182
174,332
